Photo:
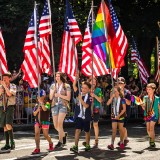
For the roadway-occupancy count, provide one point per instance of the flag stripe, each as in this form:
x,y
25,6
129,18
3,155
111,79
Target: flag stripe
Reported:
x,y
3,60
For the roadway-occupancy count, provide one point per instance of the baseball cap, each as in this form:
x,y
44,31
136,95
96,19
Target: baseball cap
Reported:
x,y
42,93
121,80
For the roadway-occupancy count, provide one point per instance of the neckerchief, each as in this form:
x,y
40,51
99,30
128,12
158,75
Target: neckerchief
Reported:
x,y
58,89
116,105
81,106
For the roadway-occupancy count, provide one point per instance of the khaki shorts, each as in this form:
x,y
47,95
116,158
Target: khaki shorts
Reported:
x,y
6,117
58,109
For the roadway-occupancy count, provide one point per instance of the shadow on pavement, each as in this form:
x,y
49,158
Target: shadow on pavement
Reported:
x,y
99,154
34,157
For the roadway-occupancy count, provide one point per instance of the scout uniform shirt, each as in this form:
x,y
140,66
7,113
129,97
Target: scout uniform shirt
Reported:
x,y
12,99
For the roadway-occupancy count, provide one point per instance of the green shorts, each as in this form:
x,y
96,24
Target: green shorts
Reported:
x,y
6,117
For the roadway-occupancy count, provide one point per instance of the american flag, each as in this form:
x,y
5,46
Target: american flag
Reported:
x,y
45,32
99,66
71,36
29,65
158,71
3,61
119,44
143,73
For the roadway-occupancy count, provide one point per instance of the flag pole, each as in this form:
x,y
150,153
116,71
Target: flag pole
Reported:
x,y
92,49
92,5
36,44
53,58
106,35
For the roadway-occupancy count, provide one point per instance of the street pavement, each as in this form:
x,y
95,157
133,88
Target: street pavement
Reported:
x,y
137,148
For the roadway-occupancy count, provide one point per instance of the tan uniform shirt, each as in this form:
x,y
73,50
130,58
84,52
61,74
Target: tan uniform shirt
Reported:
x,y
12,99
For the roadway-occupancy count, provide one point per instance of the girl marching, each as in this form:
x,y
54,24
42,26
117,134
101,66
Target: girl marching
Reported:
x,y
60,94
118,109
151,109
42,121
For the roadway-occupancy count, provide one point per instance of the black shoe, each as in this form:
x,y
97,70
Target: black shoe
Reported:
x,y
6,147
13,146
65,138
59,145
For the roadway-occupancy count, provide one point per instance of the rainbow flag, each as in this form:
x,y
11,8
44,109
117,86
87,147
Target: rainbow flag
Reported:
x,y
100,42
136,100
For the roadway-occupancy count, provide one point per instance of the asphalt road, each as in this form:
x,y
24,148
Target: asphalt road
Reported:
x,y
137,149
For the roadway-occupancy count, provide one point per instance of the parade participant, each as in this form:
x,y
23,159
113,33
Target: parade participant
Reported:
x,y
42,121
127,96
151,109
97,96
7,104
82,114
118,109
60,94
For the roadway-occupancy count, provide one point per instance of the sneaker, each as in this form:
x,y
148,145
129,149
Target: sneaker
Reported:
x,y
36,151
65,138
126,141
51,148
59,145
13,146
121,146
152,144
6,147
111,147
87,147
74,149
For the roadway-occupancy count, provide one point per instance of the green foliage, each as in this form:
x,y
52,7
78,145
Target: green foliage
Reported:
x,y
153,62
137,17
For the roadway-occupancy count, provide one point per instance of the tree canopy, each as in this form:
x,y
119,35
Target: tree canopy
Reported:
x,y
137,17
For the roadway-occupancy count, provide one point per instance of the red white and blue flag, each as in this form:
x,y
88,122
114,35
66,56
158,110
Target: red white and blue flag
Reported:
x,y
3,60
44,33
29,65
135,57
71,36
119,43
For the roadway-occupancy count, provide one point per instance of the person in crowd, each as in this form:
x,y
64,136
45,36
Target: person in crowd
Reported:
x,y
82,114
46,85
97,96
16,76
19,102
60,94
127,96
118,110
42,121
151,109
134,89
7,104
